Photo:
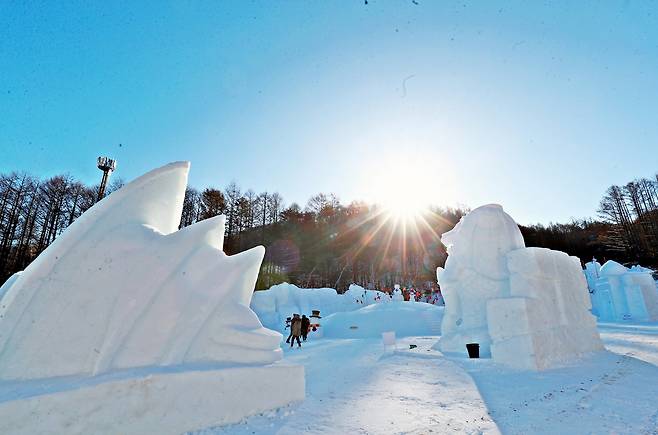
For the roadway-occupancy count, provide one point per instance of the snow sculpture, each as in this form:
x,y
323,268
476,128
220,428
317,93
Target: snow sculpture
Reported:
x,y
280,301
526,307
592,273
476,271
124,309
397,293
371,321
619,294
546,319
315,328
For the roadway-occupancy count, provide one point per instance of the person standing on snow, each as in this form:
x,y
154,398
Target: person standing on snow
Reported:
x,y
296,330
288,321
306,324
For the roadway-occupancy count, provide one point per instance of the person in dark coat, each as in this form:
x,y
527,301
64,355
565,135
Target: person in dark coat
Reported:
x,y
296,330
306,324
288,320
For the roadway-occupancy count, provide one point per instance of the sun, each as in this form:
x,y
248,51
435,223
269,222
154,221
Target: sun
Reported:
x,y
404,201
405,190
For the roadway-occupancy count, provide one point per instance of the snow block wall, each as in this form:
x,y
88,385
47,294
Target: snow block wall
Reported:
x,y
283,300
527,307
122,291
545,320
621,294
406,318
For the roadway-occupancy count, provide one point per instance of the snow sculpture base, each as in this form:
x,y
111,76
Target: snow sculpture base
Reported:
x,y
164,403
532,346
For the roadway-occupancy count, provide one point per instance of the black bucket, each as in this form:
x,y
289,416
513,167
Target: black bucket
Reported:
x,y
473,350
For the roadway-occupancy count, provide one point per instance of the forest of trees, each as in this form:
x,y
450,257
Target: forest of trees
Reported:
x,y
326,243
34,212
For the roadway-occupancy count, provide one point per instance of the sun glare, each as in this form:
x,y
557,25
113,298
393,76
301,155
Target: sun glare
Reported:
x,y
403,202
404,190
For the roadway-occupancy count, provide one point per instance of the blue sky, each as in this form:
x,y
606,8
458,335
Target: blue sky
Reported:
x,y
537,106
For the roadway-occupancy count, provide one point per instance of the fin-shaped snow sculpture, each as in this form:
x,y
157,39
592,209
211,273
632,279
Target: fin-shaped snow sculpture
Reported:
x,y
127,325
122,288
526,307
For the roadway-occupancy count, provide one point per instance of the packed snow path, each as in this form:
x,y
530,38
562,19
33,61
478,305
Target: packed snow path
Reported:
x,y
354,386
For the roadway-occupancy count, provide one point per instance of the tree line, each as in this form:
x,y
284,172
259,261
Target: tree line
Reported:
x,y
34,212
625,229
325,243
632,212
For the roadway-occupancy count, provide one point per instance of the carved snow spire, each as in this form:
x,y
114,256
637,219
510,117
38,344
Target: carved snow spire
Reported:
x,y
122,288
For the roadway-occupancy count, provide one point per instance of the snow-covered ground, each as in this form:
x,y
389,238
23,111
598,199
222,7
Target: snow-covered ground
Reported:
x,y
355,386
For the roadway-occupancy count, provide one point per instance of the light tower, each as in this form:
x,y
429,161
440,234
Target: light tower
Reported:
x,y
107,165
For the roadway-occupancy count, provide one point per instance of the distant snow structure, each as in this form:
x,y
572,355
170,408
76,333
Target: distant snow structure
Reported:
x,y
126,324
526,307
404,318
282,300
592,273
621,294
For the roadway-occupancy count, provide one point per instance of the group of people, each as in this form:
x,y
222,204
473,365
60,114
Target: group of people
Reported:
x,y
410,294
299,327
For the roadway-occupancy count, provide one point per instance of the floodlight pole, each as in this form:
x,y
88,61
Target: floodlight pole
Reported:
x,y
107,165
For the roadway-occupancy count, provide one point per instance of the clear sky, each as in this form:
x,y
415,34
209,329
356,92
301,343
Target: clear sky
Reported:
x,y
539,106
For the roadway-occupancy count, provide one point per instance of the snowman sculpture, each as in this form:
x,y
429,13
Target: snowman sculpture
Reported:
x,y
315,329
397,293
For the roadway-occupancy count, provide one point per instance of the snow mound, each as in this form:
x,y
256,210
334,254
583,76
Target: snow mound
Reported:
x,y
405,318
123,291
273,306
526,307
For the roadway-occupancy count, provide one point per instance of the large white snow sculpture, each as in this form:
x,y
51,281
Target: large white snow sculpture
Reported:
x,y
619,293
476,271
526,307
124,317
